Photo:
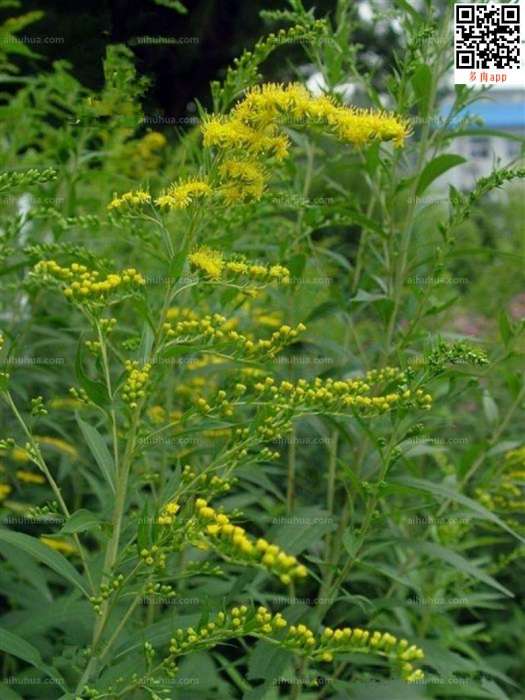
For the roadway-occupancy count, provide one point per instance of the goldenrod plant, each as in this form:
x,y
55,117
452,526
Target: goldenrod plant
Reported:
x,y
248,448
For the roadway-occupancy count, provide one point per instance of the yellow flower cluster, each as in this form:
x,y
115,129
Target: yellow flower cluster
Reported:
x,y
146,150
29,477
507,495
212,484
180,313
242,179
181,195
88,285
58,545
57,444
167,513
232,540
261,623
212,264
338,395
351,640
208,261
515,458
65,403
135,198
221,331
136,380
253,124
5,490
22,455
233,135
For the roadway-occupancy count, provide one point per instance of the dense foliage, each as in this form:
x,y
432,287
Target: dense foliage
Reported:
x,y
261,383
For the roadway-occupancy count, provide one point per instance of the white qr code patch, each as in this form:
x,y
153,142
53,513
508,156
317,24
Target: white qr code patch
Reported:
x,y
488,44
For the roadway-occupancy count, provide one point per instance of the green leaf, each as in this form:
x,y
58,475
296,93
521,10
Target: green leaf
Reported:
x,y
95,390
11,643
435,168
267,661
457,561
173,5
350,542
99,451
505,328
303,528
445,492
80,521
422,84
45,555
490,408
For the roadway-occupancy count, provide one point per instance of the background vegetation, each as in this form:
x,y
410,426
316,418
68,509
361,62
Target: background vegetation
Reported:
x,y
408,520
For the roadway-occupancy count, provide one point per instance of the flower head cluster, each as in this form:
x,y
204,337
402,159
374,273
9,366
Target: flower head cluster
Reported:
x,y
181,195
147,149
134,387
212,264
133,199
253,124
515,459
167,513
59,545
208,262
221,332
232,541
29,477
84,285
241,179
358,640
338,396
261,623
507,493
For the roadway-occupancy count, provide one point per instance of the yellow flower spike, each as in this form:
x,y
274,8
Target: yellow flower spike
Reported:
x,y
207,513
59,545
5,490
29,477
182,194
135,198
208,261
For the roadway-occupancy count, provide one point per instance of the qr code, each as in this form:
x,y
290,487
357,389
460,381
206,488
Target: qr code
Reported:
x,y
487,37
